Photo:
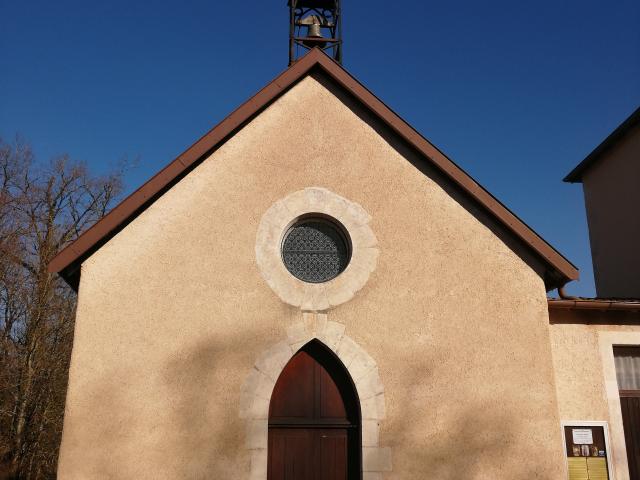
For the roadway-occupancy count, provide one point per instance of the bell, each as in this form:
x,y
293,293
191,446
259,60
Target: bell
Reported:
x,y
313,30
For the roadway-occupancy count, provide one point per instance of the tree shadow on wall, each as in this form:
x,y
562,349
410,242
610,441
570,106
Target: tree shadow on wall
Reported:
x,y
481,439
203,437
206,411
199,438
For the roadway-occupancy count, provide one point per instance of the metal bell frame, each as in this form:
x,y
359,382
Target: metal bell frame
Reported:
x,y
305,34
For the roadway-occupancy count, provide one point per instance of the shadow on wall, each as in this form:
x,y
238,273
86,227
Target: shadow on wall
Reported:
x,y
197,433
210,433
471,440
189,428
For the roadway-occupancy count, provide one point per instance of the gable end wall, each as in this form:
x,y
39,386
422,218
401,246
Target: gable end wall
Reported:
x,y
173,313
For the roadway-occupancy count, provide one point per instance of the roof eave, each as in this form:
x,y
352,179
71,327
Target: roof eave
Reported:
x,y
67,263
575,176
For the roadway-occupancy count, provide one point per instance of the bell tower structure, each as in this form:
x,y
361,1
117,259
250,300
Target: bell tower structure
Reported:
x,y
315,23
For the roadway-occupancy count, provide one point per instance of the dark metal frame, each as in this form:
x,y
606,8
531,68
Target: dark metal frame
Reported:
x,y
299,9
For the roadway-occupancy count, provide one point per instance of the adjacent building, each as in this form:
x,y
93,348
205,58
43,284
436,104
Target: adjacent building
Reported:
x,y
610,176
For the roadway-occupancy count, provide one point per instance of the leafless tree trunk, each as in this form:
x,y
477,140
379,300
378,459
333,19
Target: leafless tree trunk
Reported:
x,y
42,209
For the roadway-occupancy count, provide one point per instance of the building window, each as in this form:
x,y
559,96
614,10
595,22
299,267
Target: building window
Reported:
x,y
627,361
316,249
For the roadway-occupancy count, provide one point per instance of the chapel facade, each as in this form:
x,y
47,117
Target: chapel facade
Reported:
x,y
303,296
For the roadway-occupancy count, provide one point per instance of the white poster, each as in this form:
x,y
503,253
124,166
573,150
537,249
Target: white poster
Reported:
x,y
582,436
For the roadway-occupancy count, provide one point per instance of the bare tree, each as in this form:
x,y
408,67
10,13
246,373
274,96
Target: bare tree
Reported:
x,y
42,209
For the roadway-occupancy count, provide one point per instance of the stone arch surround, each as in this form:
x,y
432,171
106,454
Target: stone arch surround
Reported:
x,y
256,391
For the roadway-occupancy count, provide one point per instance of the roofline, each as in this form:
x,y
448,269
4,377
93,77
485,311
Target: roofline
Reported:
x,y
575,176
594,311
68,261
594,304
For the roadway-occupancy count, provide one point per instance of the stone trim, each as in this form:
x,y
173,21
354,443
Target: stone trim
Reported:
x,y
256,391
315,296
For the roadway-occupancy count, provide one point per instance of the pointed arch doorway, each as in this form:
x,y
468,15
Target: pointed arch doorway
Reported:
x,y
314,419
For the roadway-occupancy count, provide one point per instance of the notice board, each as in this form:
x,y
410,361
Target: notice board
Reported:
x,y
586,450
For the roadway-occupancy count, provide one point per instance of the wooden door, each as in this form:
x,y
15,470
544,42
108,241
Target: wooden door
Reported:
x,y
630,405
314,420
627,360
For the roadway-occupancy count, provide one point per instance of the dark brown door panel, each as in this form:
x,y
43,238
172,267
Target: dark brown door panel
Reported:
x,y
314,420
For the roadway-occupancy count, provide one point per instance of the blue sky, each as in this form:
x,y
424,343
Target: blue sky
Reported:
x,y
516,93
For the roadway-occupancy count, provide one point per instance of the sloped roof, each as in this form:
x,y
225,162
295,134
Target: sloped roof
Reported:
x,y
575,176
67,262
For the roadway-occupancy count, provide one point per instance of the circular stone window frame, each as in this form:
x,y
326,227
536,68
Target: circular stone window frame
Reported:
x,y
277,221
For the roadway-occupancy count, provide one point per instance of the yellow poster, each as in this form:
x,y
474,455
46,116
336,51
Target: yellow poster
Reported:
x,y
578,468
597,467
587,468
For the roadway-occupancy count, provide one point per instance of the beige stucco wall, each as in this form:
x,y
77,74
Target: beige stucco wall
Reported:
x,y
173,313
586,381
579,374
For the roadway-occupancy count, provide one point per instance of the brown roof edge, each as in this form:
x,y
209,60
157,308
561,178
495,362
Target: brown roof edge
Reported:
x,y
130,206
594,311
68,260
594,304
575,176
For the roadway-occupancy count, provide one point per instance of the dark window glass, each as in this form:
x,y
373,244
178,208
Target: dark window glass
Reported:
x,y
315,250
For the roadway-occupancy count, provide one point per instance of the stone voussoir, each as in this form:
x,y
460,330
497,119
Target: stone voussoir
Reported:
x,y
370,385
332,335
361,364
273,360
